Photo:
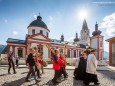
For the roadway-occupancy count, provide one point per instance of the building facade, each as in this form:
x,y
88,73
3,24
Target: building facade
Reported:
x,y
38,35
111,51
96,42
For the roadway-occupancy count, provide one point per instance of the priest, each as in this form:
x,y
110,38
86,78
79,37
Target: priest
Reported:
x,y
91,73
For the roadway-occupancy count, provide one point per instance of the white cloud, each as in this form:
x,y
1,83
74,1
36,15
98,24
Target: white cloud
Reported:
x,y
50,23
109,24
15,33
51,18
35,16
71,39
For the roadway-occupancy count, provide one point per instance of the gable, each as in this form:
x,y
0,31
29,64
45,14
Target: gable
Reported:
x,y
39,37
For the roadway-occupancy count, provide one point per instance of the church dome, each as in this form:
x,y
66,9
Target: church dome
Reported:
x,y
38,22
76,39
96,32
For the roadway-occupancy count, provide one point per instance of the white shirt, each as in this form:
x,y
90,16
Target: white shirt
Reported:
x,y
91,64
77,62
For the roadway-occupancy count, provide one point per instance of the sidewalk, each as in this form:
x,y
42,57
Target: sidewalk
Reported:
x,y
99,68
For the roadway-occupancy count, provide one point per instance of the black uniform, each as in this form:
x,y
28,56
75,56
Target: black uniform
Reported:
x,y
80,72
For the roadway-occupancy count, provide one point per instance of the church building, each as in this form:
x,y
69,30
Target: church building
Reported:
x,y
38,35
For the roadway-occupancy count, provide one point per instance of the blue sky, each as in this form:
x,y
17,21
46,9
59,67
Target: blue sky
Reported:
x,y
61,16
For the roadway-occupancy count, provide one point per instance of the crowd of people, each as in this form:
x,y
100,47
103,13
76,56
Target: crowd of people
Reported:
x,y
85,68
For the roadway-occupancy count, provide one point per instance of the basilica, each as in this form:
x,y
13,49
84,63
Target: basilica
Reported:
x,y
38,35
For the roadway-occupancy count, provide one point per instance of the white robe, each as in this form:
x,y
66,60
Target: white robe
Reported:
x,y
91,64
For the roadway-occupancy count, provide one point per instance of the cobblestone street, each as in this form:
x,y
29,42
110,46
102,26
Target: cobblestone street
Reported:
x,y
106,78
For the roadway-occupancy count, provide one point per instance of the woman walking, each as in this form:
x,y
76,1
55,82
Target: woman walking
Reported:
x,y
56,64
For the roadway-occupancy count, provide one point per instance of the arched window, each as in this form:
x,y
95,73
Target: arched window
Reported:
x,y
47,34
41,31
74,53
79,53
68,53
33,31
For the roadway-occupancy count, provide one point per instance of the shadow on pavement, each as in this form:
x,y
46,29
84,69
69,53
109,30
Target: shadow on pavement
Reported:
x,y
18,82
109,74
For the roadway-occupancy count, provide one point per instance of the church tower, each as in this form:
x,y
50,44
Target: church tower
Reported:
x,y
97,43
85,34
62,38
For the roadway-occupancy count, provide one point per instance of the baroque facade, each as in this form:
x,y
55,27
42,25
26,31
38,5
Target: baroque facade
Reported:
x,y
38,35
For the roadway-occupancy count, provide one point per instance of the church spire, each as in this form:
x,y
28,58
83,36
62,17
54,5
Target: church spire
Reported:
x,y
39,17
84,26
96,26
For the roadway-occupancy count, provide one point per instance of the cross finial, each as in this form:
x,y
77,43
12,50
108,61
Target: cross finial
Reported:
x,y
96,22
39,13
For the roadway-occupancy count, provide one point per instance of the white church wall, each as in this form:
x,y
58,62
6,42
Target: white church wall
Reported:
x,y
94,43
11,48
40,37
37,30
101,43
33,45
45,52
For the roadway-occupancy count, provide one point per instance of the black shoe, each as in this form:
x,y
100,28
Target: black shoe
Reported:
x,y
27,80
97,83
86,84
9,73
38,80
39,77
14,72
65,77
55,83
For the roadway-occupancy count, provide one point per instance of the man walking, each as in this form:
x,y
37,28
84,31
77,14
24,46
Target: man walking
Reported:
x,y
31,65
17,60
11,62
91,74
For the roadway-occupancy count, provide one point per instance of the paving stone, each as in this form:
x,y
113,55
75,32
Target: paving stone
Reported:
x,y
106,78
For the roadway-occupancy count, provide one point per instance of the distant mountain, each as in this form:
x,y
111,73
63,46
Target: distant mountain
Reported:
x,y
2,47
106,55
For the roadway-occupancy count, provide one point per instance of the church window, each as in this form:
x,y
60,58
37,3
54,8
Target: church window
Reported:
x,y
41,31
20,52
33,31
100,43
74,53
47,34
68,53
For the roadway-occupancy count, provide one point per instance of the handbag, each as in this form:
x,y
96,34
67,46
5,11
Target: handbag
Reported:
x,y
38,65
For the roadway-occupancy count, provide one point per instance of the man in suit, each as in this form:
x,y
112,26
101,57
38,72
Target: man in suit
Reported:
x,y
30,62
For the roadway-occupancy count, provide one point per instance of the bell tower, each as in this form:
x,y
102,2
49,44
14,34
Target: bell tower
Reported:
x,y
97,43
85,34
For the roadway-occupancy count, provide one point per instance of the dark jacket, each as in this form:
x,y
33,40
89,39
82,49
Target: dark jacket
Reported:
x,y
81,70
30,60
10,60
